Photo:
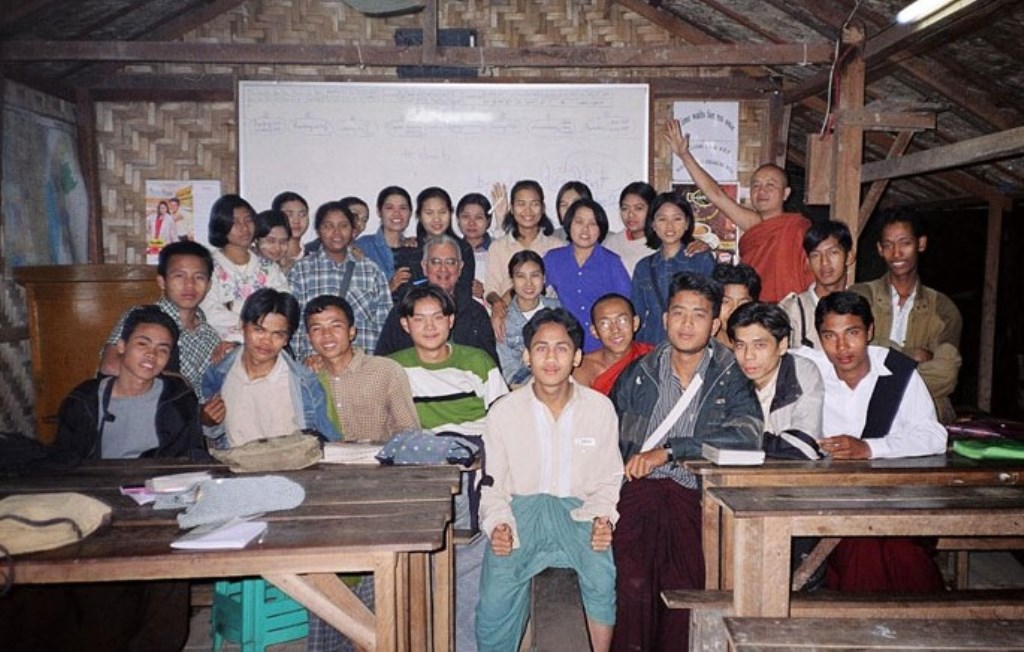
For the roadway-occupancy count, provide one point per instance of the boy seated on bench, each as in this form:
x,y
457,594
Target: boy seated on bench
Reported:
x,y
552,451
876,405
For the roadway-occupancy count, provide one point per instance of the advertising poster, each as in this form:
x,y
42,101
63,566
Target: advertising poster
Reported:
x,y
177,210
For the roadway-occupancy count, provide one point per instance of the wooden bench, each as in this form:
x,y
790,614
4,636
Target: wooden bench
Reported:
x,y
708,608
763,634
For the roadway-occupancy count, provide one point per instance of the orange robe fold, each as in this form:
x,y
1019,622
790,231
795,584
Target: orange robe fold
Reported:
x,y
606,380
775,249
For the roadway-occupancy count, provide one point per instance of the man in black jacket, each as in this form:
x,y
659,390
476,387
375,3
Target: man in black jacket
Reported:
x,y
141,412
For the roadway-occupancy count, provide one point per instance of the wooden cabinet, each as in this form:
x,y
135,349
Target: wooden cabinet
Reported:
x,y
71,309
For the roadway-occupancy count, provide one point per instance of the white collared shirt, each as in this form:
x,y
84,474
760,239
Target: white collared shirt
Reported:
x,y
915,430
900,315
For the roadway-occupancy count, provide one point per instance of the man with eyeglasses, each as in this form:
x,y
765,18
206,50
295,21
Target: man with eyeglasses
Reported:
x,y
442,264
614,322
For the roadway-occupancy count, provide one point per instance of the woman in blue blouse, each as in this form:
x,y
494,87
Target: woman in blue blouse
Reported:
x,y
585,270
669,229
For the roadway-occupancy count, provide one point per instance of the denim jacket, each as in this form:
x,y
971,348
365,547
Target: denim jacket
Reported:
x,y
510,352
305,390
376,248
651,278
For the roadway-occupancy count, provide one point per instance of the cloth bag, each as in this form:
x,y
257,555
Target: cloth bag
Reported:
x,y
423,447
287,453
33,522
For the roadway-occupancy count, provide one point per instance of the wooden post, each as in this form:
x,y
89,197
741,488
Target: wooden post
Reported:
x,y
778,130
88,161
988,305
848,139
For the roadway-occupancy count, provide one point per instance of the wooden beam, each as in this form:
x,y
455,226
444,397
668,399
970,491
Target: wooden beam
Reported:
x,y
88,161
13,334
899,37
876,121
877,189
334,55
727,87
778,130
990,147
848,139
14,11
430,33
989,306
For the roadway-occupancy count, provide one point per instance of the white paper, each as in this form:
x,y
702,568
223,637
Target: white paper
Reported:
x,y
233,535
714,129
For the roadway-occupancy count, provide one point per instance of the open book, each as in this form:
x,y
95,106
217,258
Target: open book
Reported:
x,y
233,535
732,457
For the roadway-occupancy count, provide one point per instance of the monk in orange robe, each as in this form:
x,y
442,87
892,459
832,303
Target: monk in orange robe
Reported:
x,y
614,322
772,241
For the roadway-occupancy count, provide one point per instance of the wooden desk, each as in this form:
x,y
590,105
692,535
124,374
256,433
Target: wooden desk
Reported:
x,y
354,519
936,470
767,519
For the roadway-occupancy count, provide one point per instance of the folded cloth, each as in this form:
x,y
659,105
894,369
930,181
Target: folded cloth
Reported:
x,y
222,499
990,449
424,447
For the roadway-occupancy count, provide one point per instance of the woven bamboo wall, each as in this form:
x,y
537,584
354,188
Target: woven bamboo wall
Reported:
x,y
140,141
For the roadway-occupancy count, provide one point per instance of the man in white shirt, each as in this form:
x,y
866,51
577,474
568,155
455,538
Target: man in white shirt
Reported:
x,y
552,451
876,405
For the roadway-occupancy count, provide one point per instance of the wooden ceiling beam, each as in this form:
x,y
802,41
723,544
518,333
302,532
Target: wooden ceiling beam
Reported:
x,y
333,55
990,147
887,121
13,11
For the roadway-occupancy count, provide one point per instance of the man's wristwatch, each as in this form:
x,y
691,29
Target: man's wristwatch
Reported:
x,y
671,455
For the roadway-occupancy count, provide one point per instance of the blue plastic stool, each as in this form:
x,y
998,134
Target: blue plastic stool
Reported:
x,y
255,614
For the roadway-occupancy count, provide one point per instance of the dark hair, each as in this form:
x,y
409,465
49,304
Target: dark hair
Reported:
x,y
509,223
599,216
175,200
267,220
578,187
183,248
317,305
165,205
843,303
268,301
420,292
641,189
474,198
525,256
350,201
554,316
150,314
739,274
903,217
769,315
772,166
676,199
705,286
332,207
383,195
222,218
609,297
284,197
433,192
821,231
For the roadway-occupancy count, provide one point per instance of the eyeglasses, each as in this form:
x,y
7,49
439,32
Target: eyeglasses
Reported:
x,y
622,321
447,262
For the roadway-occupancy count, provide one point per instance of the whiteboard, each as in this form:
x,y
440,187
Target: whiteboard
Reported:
x,y
328,140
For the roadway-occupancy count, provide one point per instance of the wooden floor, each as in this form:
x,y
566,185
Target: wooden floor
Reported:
x,y
560,625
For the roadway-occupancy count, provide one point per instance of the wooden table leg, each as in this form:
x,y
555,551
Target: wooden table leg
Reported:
x,y
385,586
711,541
442,603
761,567
419,602
727,545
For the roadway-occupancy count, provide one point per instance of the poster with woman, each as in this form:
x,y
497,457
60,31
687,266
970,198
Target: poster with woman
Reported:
x,y
172,207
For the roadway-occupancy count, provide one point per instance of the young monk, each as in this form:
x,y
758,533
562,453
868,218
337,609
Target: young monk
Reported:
x,y
614,322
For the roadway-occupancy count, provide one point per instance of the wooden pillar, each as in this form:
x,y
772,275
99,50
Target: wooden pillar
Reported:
x,y
88,160
848,139
778,130
430,33
988,304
